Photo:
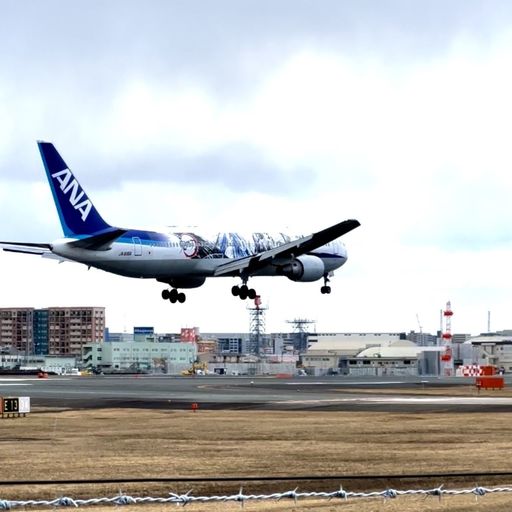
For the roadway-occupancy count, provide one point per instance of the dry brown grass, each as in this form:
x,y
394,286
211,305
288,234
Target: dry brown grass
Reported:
x,y
140,443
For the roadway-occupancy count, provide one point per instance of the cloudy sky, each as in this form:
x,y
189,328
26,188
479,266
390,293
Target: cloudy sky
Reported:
x,y
269,114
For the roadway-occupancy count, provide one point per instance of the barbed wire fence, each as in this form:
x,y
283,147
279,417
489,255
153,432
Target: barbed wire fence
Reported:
x,y
241,498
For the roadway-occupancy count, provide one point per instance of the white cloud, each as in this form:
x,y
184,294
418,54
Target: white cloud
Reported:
x,y
417,149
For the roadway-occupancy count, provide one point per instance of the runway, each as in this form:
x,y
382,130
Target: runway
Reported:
x,y
217,392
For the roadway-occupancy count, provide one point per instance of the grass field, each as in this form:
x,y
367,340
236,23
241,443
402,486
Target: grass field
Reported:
x,y
50,445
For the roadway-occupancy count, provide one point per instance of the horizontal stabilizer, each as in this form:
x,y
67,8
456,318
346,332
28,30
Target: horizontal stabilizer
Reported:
x,y
38,252
101,242
26,248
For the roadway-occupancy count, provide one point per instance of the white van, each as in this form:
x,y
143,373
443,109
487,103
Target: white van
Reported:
x,y
70,371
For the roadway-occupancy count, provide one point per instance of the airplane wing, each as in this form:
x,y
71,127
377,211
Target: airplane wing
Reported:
x,y
295,248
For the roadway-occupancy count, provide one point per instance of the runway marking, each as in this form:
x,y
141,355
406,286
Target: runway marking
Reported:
x,y
419,400
448,399
17,380
357,383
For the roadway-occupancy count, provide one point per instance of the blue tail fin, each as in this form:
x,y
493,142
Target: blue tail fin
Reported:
x,y
77,214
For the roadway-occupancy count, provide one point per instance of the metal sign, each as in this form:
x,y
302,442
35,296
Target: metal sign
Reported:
x,y
11,406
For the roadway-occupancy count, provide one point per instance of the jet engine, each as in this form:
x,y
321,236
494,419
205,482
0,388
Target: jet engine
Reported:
x,y
304,268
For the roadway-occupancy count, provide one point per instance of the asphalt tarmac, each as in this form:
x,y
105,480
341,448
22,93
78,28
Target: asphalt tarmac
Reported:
x,y
219,392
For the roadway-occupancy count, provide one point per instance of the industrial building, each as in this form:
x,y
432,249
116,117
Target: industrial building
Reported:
x,y
400,357
139,356
53,364
51,331
489,349
359,353
350,342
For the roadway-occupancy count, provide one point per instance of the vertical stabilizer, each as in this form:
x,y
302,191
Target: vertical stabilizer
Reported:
x,y
77,214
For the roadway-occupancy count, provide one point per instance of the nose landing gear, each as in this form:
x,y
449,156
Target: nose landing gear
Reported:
x,y
326,289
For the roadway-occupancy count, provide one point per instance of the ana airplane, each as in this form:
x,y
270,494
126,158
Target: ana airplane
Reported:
x,y
181,259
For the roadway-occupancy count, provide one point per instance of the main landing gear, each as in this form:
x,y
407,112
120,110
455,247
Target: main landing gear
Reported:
x,y
174,296
244,292
325,288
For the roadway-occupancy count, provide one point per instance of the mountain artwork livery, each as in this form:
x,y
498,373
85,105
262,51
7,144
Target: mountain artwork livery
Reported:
x,y
182,259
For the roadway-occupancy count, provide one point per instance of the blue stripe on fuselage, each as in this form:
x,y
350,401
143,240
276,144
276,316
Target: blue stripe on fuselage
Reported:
x,y
146,237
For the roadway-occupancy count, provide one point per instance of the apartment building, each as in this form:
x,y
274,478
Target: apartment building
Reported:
x,y
17,329
51,331
69,329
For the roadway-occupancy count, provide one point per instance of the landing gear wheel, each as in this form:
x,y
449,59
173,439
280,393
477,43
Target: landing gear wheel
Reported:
x,y
244,292
173,295
326,289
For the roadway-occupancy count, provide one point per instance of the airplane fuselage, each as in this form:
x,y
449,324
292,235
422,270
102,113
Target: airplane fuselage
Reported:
x,y
153,255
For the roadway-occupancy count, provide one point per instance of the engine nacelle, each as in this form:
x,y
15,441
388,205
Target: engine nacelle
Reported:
x,y
305,269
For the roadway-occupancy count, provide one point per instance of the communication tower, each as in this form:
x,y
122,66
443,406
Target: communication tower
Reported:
x,y
447,354
300,332
257,327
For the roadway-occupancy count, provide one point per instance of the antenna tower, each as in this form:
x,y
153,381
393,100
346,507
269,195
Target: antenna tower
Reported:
x,y
301,331
257,327
447,353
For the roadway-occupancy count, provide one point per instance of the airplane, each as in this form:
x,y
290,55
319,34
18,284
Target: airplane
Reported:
x,y
182,259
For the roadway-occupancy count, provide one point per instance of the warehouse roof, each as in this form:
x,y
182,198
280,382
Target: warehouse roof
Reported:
x,y
396,350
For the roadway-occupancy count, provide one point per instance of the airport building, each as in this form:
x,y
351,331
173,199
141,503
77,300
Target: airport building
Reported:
x,y
51,331
51,364
149,356
340,353
489,349
369,354
399,358
350,343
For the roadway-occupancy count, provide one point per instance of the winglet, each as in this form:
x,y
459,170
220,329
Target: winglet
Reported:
x,y
77,214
